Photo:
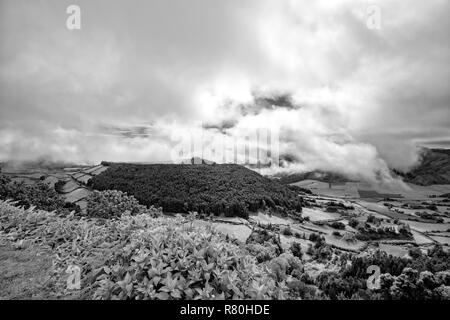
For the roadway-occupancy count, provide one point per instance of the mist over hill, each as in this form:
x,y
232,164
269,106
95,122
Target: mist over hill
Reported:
x,y
434,168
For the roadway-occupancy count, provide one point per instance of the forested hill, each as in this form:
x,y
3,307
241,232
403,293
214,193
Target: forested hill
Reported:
x,y
227,189
434,168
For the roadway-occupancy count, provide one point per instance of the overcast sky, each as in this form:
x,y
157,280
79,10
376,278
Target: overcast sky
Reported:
x,y
361,99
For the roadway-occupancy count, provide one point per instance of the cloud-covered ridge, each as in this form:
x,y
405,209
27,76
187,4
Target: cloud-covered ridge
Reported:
x,y
345,98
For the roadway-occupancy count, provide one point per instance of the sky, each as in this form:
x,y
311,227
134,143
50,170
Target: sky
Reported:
x,y
346,88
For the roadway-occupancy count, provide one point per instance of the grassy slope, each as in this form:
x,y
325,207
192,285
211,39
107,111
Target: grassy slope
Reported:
x,y
24,272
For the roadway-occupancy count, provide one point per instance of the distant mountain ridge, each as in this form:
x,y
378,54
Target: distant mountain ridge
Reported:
x,y
434,168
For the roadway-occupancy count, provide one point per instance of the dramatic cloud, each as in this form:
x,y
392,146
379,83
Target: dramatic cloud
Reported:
x,y
141,74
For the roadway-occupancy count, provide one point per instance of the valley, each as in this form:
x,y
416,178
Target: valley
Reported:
x,y
55,218
420,208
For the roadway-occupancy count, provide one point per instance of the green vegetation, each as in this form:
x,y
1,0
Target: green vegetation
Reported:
x,y
428,216
296,250
150,256
299,189
337,225
353,223
112,203
142,257
425,277
38,194
287,231
59,185
329,177
127,250
336,234
370,233
226,189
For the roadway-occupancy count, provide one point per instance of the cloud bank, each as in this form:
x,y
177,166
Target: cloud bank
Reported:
x,y
345,97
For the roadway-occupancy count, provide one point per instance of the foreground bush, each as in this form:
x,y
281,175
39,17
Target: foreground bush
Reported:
x,y
182,262
112,203
39,194
141,257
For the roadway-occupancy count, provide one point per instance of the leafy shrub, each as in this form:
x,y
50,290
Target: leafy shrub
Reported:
x,y
4,182
314,237
331,209
415,253
338,225
353,223
349,237
263,253
412,285
59,185
179,262
112,203
296,249
38,194
285,265
399,278
265,238
302,290
141,257
287,231
337,287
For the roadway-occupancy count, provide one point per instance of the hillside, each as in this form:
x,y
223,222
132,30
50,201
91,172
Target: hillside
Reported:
x,y
227,189
313,175
433,169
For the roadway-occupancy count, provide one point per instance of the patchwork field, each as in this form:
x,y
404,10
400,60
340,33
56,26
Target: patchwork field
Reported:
x,y
418,207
